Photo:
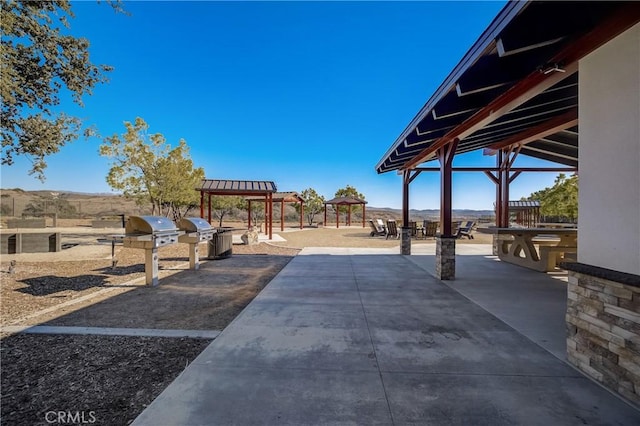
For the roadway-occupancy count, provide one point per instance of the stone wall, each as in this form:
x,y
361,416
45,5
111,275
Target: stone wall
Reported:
x,y
39,242
26,223
603,324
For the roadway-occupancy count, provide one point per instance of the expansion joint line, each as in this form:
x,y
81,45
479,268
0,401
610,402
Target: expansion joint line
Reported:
x,y
373,347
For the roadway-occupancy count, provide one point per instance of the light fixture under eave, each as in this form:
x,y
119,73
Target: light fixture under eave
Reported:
x,y
549,68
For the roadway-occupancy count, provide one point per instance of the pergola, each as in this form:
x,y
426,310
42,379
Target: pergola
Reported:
x,y
527,212
243,188
345,201
515,92
282,198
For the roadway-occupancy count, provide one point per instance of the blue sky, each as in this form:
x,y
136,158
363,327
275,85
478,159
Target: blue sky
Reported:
x,y
305,94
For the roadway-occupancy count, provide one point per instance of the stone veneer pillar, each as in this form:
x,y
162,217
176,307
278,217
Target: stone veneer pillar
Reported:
x,y
445,257
496,242
603,327
405,240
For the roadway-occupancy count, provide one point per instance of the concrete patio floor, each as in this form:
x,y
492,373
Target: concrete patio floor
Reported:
x,y
366,336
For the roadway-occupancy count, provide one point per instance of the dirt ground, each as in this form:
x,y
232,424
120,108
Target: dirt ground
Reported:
x,y
110,379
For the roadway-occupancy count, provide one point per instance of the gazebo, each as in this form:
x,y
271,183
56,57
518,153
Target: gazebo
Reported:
x,y
344,201
527,212
280,197
264,189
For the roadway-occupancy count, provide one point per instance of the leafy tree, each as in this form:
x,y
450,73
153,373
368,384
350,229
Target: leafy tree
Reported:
x,y
145,168
349,191
223,205
38,61
561,200
313,204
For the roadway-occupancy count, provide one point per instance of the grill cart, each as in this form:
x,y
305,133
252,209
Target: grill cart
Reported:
x,y
149,233
196,230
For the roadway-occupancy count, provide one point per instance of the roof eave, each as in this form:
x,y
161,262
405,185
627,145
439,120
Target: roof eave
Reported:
x,y
510,10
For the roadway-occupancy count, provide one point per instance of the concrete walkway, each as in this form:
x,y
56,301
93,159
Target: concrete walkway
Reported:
x,y
357,336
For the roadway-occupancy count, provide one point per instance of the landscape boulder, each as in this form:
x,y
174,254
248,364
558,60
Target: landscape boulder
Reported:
x,y
250,237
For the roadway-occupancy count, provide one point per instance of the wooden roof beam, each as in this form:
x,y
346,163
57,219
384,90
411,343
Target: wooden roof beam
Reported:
x,y
549,127
521,92
537,82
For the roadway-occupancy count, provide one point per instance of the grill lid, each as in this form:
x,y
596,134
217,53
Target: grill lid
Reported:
x,y
149,225
194,224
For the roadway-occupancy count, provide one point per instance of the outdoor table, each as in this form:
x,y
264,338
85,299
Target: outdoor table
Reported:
x,y
520,249
556,225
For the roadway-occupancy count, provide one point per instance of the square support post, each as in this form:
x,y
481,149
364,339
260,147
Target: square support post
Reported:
x,y
405,231
270,215
282,215
446,243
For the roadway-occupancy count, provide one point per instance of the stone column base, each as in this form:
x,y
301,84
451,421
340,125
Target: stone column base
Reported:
x,y
445,258
405,241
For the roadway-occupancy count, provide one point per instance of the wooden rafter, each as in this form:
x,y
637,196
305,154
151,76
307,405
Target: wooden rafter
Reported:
x,y
537,82
549,127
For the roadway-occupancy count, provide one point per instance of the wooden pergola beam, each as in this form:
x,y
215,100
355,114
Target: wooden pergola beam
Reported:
x,y
536,82
495,169
549,127
520,93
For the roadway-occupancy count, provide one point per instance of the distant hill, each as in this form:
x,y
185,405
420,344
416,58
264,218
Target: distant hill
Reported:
x,y
15,200
74,204
391,213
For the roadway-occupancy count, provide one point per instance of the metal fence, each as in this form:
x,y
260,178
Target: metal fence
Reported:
x,y
21,207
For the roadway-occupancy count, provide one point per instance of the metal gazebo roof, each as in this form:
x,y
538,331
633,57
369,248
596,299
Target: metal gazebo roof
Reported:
x,y
343,201
239,188
236,187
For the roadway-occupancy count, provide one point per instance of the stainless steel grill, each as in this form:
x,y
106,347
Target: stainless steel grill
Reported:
x,y
196,230
149,233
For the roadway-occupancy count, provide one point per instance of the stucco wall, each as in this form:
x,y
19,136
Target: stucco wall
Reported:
x,y
609,155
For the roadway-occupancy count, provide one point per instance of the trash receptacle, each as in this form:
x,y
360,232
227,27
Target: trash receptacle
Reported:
x,y
221,245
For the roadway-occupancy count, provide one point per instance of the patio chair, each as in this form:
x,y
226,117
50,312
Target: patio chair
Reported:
x,y
455,227
466,230
429,228
376,229
392,229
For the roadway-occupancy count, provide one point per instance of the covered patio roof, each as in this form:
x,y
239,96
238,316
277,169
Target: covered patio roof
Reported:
x,y
516,86
264,189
